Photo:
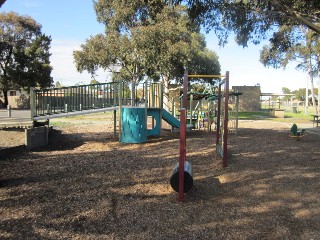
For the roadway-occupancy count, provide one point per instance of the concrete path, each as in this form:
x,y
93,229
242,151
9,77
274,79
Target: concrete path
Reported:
x,y
19,118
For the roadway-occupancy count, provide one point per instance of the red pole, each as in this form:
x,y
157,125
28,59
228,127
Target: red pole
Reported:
x,y
185,90
183,128
226,119
218,115
182,158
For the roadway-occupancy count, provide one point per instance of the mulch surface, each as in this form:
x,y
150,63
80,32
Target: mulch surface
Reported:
x,y
87,185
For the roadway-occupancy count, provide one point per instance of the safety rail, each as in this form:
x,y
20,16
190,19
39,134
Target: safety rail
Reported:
x,y
52,101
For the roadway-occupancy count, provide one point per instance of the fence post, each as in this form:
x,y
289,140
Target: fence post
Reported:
x,y
9,110
32,103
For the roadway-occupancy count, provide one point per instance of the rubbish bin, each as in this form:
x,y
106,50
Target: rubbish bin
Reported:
x,y
294,109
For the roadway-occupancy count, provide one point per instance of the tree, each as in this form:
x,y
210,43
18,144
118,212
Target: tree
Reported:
x,y
93,81
144,40
24,54
287,45
300,94
58,85
2,2
286,90
251,20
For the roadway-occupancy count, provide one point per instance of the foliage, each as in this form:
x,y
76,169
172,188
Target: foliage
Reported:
x,y
294,44
286,90
145,38
93,81
24,54
251,20
2,2
58,84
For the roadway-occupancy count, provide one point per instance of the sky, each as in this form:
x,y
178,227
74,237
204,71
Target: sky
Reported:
x,y
71,22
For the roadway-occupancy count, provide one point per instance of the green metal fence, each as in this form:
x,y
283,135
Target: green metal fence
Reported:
x,y
75,98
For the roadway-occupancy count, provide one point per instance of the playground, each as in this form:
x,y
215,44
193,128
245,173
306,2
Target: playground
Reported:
x,y
86,185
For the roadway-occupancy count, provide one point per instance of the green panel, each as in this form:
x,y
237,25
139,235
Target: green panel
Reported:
x,y
155,113
134,128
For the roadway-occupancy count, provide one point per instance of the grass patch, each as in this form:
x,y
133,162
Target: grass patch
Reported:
x,y
253,115
290,117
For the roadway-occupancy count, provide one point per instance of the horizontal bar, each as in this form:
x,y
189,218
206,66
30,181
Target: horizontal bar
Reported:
x,y
206,76
69,114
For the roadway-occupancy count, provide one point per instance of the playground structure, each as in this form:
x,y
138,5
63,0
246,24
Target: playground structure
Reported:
x,y
181,178
133,114
52,103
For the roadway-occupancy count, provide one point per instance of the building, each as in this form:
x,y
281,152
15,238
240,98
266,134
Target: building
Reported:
x,y
17,99
250,99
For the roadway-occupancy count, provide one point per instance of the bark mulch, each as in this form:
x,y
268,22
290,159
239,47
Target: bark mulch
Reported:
x,y
86,185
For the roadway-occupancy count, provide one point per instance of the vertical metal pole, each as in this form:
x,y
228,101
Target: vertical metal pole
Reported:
x,y
191,102
161,103
172,107
183,120
43,100
145,89
209,119
50,101
120,110
153,94
182,156
237,114
218,115
114,123
185,90
32,103
9,110
132,94
226,119
173,112
55,101
161,95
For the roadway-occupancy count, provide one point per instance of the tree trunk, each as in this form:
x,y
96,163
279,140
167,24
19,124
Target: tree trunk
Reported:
x,y
312,88
6,102
318,83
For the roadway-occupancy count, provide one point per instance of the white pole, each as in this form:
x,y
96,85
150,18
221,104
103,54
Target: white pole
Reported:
x,y
307,98
9,111
319,96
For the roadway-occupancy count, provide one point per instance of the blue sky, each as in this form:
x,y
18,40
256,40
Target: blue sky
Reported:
x,y
71,22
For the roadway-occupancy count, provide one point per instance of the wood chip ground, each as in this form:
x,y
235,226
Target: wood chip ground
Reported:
x,y
86,185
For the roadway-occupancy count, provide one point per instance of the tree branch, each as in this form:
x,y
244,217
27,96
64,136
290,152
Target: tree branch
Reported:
x,y
295,15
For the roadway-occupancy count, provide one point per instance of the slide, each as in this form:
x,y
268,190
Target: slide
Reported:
x,y
169,118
